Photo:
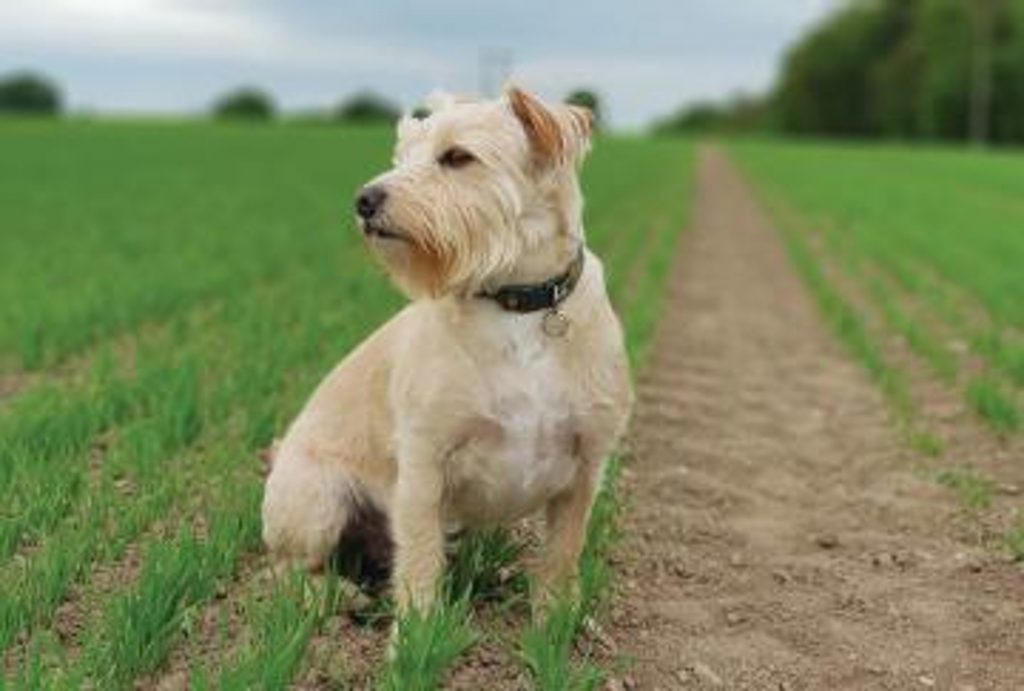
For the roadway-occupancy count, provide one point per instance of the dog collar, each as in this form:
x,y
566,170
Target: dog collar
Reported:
x,y
539,296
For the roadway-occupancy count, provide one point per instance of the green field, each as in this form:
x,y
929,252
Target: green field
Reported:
x,y
922,245
171,294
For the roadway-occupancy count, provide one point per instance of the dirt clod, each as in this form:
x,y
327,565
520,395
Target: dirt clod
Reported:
x,y
827,541
706,674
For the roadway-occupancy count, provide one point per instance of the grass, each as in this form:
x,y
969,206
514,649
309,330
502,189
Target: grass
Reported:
x,y
100,528
138,627
932,238
847,322
1015,539
126,263
972,489
547,651
172,295
989,400
483,570
281,626
426,644
547,645
924,246
484,565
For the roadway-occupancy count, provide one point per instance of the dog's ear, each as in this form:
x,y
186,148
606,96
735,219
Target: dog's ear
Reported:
x,y
408,126
557,135
540,124
583,121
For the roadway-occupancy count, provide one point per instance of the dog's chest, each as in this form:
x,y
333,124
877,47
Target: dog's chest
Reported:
x,y
534,410
524,452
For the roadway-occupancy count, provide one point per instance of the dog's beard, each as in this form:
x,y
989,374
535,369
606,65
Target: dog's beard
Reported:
x,y
433,249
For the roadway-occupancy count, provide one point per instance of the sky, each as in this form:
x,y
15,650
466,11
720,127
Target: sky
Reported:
x,y
645,58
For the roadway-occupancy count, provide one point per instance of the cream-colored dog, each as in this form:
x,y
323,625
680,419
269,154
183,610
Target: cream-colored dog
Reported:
x,y
499,390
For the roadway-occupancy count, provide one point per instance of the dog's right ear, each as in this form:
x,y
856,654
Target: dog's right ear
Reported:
x,y
408,126
583,121
556,136
539,123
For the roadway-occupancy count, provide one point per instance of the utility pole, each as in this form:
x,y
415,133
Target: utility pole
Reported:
x,y
493,70
979,127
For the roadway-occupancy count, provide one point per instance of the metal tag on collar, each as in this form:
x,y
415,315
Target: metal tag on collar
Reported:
x,y
555,324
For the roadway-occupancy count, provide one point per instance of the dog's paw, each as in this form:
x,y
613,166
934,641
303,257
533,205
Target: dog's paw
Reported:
x,y
393,640
544,600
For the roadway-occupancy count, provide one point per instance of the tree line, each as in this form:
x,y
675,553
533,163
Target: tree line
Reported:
x,y
31,94
911,69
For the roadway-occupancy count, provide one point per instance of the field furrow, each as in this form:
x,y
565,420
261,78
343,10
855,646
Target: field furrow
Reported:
x,y
922,339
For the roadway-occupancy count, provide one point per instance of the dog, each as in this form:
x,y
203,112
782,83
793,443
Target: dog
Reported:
x,y
498,391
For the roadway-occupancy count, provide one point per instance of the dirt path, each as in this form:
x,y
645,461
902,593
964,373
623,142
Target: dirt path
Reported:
x,y
777,535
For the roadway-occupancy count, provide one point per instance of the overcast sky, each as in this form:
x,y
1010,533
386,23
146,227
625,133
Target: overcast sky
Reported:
x,y
644,57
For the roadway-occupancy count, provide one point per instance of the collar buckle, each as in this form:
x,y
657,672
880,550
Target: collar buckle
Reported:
x,y
558,293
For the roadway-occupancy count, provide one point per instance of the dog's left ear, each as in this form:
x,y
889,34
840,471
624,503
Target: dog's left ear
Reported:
x,y
558,134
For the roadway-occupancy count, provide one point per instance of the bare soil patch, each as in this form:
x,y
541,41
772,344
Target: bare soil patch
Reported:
x,y
780,535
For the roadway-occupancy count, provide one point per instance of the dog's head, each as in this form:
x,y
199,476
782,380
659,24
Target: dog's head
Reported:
x,y
477,187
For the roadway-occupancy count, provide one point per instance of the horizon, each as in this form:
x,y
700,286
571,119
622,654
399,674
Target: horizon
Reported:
x,y
160,58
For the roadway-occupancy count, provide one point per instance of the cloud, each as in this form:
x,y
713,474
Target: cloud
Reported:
x,y
189,30
645,57
785,13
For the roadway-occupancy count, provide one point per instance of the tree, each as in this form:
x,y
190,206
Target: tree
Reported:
x,y
826,78
699,118
1008,75
912,69
586,98
245,103
367,107
741,113
27,93
934,69
983,21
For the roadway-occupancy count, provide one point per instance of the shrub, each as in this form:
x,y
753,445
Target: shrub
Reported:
x,y
245,103
367,108
26,93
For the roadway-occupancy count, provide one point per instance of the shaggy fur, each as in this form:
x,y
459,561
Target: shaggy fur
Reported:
x,y
456,413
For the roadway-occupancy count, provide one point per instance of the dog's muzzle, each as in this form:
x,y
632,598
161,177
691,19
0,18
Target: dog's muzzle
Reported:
x,y
369,209
370,201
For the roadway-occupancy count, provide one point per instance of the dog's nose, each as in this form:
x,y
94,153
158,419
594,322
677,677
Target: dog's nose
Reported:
x,y
369,200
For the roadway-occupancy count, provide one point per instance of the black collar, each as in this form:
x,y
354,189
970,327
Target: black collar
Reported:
x,y
539,296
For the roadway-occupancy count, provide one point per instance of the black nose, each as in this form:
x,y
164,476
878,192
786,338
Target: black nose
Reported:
x,y
369,200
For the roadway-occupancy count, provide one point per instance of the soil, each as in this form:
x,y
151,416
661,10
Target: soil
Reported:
x,y
779,533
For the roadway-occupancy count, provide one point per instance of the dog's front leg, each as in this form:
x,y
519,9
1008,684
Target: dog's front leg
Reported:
x,y
566,517
417,532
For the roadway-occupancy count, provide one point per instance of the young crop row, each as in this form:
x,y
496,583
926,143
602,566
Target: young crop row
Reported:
x,y
108,227
888,254
192,457
203,282
928,244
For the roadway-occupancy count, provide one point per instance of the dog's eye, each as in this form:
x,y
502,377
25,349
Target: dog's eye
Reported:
x,y
456,157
